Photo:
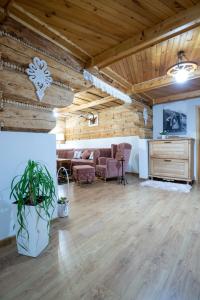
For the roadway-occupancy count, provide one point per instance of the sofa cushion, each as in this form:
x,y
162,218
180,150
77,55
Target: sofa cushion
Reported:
x,y
81,161
85,154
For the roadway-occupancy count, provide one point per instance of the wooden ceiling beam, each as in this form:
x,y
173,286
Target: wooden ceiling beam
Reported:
x,y
173,26
3,10
177,97
26,18
116,77
2,14
158,82
82,91
88,105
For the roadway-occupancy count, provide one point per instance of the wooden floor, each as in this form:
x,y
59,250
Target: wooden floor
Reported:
x,y
118,243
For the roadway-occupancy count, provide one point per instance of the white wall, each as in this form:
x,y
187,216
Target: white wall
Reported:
x,y
106,143
16,149
188,107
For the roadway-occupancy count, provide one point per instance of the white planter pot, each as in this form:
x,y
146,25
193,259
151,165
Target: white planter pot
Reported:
x,y
37,229
63,210
163,137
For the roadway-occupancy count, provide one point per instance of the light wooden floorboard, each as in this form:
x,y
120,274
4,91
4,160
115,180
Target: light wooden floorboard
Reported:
x,y
130,243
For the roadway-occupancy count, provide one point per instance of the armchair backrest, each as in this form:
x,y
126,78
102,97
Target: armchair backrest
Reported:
x,y
124,150
113,150
65,153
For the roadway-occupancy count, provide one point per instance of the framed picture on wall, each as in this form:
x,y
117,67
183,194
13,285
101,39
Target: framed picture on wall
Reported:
x,y
174,122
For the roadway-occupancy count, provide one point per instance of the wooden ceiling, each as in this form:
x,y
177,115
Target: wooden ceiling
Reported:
x,y
154,61
91,100
130,42
94,26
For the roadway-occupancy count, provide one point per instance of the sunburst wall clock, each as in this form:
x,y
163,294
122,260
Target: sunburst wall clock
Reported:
x,y
40,76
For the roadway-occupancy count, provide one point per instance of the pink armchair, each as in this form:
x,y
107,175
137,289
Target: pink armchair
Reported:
x,y
111,167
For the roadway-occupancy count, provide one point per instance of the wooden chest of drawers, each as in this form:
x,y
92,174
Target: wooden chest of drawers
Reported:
x,y
172,159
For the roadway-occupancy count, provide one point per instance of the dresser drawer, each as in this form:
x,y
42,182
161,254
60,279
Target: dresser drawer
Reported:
x,y
171,168
169,149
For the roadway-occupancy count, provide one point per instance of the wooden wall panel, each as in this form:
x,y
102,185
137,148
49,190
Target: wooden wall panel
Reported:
x,y
18,53
22,111
118,121
18,84
19,117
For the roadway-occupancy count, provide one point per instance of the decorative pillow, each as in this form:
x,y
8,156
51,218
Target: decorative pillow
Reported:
x,y
85,154
77,154
91,157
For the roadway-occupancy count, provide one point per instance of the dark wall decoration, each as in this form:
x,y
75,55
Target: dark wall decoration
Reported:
x,y
174,122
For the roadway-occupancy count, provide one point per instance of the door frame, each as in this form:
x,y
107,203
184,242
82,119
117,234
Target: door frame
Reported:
x,y
198,142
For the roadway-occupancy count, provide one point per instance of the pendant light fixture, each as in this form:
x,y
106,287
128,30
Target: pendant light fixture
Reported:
x,y
182,69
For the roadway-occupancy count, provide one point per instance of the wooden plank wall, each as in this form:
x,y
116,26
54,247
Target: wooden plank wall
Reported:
x,y
113,122
20,109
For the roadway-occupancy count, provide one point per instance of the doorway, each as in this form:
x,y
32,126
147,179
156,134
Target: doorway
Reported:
x,y
198,142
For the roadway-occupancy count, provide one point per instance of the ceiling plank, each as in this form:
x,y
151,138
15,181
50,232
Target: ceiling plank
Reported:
x,y
177,97
173,26
158,83
88,105
24,17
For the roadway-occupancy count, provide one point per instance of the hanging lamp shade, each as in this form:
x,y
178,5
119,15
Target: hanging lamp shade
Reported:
x,y
182,69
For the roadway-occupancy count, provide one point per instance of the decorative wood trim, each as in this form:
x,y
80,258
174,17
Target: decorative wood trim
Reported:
x,y
21,104
177,97
173,26
29,45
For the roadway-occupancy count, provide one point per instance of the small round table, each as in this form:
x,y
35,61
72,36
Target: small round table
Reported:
x,y
122,179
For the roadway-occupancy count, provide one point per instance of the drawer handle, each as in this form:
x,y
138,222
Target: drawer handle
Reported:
x,y
167,142
167,160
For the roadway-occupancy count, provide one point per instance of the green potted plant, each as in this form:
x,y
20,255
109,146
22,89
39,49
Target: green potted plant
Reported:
x,y
63,207
163,134
34,195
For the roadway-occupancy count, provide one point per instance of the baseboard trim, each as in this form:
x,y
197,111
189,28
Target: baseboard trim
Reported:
x,y
7,241
132,173
12,239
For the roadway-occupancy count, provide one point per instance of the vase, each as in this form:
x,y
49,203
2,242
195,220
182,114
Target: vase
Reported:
x,y
63,210
37,228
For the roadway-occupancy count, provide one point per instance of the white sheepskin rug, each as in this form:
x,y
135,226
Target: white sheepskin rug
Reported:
x,y
168,186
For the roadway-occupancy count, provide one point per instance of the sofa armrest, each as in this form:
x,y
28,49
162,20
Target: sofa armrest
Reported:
x,y
113,163
96,156
102,160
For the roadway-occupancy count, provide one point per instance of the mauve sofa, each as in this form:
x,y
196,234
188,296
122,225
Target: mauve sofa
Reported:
x,y
97,152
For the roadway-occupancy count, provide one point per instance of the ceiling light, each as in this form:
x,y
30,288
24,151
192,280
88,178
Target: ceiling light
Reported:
x,y
182,69
181,76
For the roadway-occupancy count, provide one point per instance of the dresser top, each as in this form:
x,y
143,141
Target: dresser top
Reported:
x,y
172,139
